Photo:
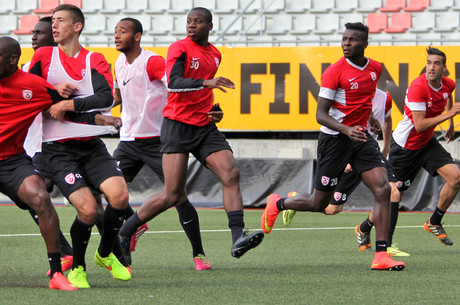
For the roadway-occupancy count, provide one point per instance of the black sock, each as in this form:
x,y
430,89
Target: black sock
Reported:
x,y
188,218
129,212
111,224
394,211
235,223
280,204
366,226
381,245
66,249
54,258
130,226
436,218
34,215
80,233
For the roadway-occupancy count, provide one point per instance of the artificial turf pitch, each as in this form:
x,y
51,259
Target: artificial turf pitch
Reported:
x,y
315,261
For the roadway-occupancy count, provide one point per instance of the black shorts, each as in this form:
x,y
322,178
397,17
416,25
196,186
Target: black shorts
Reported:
x,y
350,181
200,141
74,164
407,163
336,151
13,172
132,155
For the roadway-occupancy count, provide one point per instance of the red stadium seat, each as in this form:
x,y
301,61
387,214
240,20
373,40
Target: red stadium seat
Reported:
x,y
393,6
46,6
27,24
417,5
377,22
77,3
400,22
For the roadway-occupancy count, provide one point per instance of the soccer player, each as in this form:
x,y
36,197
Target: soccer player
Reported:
x,y
414,145
191,65
80,163
42,36
24,96
141,89
344,109
381,108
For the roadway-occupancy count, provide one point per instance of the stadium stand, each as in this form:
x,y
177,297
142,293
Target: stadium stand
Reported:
x,y
47,6
27,24
399,23
417,5
77,3
237,22
377,22
393,6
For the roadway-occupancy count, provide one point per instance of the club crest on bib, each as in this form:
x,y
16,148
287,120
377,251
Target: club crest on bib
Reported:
x,y
27,94
325,180
70,178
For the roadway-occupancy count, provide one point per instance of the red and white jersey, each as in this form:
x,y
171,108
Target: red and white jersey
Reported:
x,y
421,96
187,65
381,107
90,73
143,90
33,141
351,88
22,97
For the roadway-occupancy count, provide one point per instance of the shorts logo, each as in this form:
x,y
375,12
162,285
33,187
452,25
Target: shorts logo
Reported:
x,y
337,196
70,178
325,180
399,184
27,94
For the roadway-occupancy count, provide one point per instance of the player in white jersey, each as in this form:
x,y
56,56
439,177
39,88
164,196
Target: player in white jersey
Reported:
x,y
141,89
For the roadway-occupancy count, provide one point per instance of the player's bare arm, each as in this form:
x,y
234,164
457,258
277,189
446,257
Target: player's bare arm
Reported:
x,y
387,130
422,123
450,131
65,89
374,124
107,120
355,133
216,114
57,111
117,97
219,83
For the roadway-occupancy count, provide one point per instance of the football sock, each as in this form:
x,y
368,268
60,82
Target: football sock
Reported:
x,y
366,225
235,223
129,212
66,249
188,218
111,224
381,245
394,211
130,226
54,258
436,218
280,204
34,215
80,233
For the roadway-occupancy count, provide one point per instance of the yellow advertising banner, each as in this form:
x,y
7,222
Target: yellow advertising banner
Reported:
x,y
277,87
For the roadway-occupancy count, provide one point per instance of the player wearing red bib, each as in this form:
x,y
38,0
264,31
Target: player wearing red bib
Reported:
x,y
344,109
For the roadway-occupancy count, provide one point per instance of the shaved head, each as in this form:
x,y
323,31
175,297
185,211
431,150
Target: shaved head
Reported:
x,y
10,51
9,46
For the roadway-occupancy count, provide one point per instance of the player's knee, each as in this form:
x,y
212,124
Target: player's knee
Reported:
x,y
231,177
383,191
40,201
333,209
88,215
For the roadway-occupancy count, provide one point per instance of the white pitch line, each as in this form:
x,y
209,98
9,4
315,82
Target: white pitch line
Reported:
x,y
226,230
